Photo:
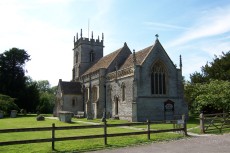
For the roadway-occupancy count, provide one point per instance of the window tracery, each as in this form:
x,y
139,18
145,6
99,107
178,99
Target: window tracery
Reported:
x,y
158,79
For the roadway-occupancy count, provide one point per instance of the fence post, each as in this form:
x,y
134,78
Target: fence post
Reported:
x,y
53,135
184,124
105,132
148,128
202,123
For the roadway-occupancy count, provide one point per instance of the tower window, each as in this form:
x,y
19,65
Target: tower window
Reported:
x,y
76,58
91,56
158,79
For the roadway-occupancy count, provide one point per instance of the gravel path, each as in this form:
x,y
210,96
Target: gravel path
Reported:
x,y
194,144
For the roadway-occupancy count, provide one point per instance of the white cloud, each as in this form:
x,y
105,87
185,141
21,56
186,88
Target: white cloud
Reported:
x,y
214,22
163,26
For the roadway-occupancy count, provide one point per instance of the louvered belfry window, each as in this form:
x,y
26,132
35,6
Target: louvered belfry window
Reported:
x,y
158,79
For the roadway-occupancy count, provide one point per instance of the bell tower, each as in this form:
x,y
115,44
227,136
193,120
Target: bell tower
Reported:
x,y
86,52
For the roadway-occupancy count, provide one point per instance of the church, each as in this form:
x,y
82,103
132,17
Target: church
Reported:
x,y
125,84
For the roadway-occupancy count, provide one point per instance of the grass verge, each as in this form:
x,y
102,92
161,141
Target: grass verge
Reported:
x,y
70,146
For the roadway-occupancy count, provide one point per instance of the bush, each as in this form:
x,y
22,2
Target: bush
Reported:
x,y
7,104
40,118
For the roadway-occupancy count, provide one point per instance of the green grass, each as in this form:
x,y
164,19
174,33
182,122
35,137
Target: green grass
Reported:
x,y
70,146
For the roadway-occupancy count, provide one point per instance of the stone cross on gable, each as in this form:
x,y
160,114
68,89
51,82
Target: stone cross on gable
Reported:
x,y
157,36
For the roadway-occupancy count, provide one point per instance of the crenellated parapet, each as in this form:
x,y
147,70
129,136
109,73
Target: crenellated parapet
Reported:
x,y
90,41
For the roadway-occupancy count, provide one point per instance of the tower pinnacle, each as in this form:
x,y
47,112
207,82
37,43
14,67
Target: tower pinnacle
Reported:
x,y
180,62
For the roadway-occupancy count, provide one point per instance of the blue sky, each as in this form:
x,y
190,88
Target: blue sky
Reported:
x,y
196,29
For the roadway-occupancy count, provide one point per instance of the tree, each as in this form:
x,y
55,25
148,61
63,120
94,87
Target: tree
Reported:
x,y
13,80
218,69
212,96
7,104
12,73
31,95
209,90
44,86
47,96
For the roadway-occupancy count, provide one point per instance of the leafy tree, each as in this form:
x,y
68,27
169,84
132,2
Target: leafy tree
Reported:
x,y
13,80
213,96
209,90
47,96
218,69
46,103
7,104
44,86
31,95
197,77
12,73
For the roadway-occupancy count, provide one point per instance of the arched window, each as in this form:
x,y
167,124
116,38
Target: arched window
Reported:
x,y
94,93
76,57
86,94
158,79
91,56
123,91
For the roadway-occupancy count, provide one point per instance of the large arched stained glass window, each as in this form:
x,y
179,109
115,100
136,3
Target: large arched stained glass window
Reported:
x,y
158,79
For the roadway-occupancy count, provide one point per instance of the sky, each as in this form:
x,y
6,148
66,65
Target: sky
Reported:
x,y
195,29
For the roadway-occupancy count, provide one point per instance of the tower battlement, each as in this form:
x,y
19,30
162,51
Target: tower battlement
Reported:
x,y
89,41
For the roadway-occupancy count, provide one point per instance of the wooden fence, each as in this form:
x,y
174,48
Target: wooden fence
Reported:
x,y
210,122
53,139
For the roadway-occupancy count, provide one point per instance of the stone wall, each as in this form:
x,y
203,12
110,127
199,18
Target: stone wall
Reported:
x,y
68,103
115,91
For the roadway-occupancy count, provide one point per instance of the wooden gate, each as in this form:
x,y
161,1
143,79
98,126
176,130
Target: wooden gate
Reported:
x,y
210,122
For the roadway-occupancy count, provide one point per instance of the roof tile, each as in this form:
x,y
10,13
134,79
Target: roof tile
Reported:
x,y
140,57
70,87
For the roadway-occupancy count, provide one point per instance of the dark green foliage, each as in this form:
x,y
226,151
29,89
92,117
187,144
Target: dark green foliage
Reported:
x,y
12,74
47,97
209,97
40,118
218,69
209,90
7,104
13,80
46,103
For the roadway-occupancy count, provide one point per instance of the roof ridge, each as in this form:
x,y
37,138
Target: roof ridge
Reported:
x,y
104,60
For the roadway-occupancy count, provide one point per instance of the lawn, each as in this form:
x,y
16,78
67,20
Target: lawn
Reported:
x,y
71,146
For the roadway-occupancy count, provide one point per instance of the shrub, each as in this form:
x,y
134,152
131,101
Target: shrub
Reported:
x,y
7,104
40,118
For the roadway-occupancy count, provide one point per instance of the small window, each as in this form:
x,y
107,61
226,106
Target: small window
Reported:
x,y
86,94
94,93
91,56
73,102
76,58
123,91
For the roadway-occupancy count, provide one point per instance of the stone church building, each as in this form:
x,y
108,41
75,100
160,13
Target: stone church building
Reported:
x,y
128,85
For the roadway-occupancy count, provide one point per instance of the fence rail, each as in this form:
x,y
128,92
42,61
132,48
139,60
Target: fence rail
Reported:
x,y
53,139
210,122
